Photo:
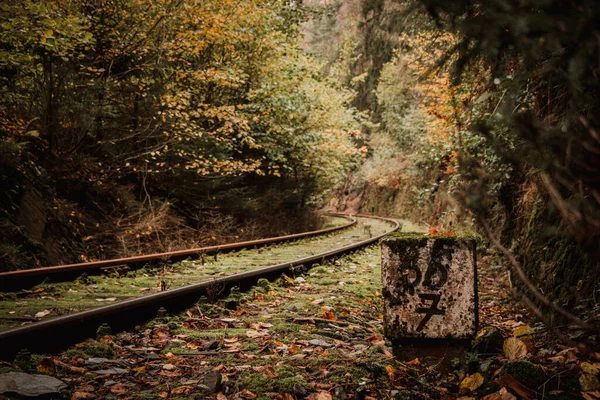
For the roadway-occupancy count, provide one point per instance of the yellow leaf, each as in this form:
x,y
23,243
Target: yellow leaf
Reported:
x,y
589,383
46,366
588,368
514,348
471,383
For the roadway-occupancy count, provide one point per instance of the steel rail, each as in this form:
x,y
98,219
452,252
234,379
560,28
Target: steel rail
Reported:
x,y
65,330
9,280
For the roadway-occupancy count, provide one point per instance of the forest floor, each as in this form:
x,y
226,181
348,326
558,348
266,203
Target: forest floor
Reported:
x,y
319,336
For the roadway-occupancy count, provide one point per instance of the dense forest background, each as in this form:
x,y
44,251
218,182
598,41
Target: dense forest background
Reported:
x,y
129,125
133,126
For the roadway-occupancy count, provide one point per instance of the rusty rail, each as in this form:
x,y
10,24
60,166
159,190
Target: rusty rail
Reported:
x,y
64,330
13,279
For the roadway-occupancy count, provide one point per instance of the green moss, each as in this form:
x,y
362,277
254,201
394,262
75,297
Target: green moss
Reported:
x,y
256,383
286,385
524,371
93,348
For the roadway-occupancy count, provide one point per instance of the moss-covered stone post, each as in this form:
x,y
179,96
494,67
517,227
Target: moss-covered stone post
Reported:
x,y
429,294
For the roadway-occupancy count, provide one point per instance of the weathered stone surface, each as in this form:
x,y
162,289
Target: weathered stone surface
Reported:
x,y
213,381
429,287
26,385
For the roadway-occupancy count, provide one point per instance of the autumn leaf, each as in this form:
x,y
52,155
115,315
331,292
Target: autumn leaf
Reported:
x,y
471,383
330,316
588,368
591,395
589,383
514,348
46,366
284,396
323,396
42,314
393,375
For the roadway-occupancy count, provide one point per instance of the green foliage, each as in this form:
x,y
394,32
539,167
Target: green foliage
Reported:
x,y
186,101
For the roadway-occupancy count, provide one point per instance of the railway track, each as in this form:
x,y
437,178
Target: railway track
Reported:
x,y
58,314
18,279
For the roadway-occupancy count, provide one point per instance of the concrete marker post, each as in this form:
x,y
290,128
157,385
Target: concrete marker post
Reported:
x,y
429,296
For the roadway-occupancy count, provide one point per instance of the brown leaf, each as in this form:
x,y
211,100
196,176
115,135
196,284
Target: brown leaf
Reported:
x,y
82,395
42,314
46,366
269,372
514,348
246,394
516,386
324,396
506,395
588,368
119,388
284,396
589,383
493,396
329,316
415,362
471,383
393,375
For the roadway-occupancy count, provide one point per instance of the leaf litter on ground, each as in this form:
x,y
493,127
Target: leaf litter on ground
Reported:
x,y
315,339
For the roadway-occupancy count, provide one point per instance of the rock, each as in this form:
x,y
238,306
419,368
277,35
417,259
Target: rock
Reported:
x,y
320,343
293,309
300,279
299,390
211,345
95,360
489,340
213,381
340,393
152,356
27,385
111,371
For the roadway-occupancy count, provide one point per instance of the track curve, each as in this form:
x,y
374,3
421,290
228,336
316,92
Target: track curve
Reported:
x,y
66,329
13,279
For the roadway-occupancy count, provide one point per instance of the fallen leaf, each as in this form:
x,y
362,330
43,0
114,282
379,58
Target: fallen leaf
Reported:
x,y
493,396
506,395
591,395
82,395
588,368
415,362
589,383
182,390
251,333
119,389
245,394
46,366
514,348
324,396
269,372
284,396
393,376
42,314
471,383
330,316
516,386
